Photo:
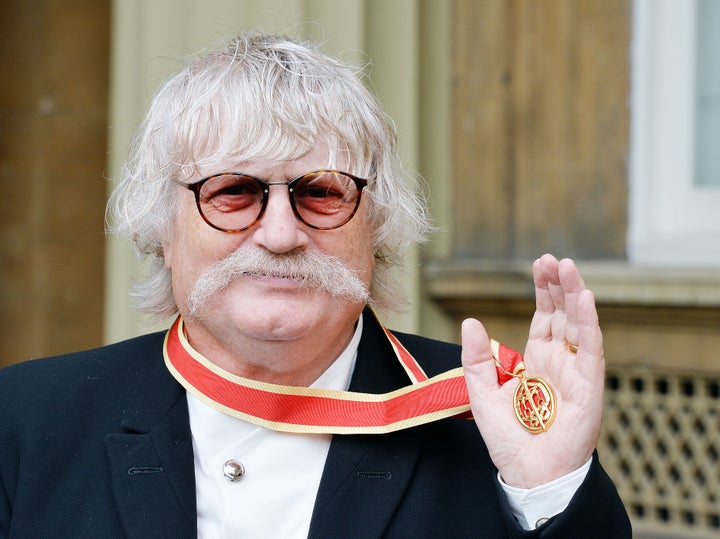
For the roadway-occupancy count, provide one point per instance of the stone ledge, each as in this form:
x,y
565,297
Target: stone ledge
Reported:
x,y
614,283
654,318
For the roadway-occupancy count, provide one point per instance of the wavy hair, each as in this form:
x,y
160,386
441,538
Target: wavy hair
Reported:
x,y
263,98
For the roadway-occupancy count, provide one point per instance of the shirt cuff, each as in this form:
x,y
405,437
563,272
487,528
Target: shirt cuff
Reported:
x,y
534,506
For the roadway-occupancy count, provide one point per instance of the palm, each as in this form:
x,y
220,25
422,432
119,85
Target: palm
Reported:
x,y
565,311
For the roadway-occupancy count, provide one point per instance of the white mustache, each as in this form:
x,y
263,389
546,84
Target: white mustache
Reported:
x,y
313,270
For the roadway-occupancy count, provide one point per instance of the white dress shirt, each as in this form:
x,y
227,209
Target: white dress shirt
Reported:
x,y
276,495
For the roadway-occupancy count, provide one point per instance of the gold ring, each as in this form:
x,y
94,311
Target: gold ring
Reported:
x,y
571,347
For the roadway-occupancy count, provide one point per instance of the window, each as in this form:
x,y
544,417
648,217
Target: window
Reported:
x,y
707,104
675,135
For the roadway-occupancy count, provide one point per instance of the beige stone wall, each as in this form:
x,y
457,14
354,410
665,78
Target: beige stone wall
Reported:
x,y
53,120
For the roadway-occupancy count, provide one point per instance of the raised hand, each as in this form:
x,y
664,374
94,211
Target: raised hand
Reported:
x,y
565,315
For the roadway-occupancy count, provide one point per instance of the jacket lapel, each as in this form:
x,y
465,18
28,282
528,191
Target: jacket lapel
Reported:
x,y
366,476
151,460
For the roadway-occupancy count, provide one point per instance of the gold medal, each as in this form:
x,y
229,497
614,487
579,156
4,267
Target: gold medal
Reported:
x,y
534,401
534,404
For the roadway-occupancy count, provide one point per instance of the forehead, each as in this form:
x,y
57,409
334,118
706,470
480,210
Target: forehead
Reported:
x,y
292,162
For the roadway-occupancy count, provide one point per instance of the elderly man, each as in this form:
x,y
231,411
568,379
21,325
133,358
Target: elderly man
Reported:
x,y
265,185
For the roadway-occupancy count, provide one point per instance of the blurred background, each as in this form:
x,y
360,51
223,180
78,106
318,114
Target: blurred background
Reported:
x,y
585,128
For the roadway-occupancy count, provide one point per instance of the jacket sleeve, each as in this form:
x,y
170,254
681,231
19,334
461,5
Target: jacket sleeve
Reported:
x,y
8,451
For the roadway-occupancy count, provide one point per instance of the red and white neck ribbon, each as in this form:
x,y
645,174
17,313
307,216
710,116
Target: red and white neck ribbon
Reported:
x,y
320,411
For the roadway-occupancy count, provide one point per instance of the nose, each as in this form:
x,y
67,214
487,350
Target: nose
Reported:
x,y
279,230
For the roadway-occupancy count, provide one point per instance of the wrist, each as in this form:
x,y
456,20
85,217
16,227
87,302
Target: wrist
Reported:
x,y
535,474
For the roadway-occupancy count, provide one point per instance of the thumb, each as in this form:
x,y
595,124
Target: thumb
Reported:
x,y
477,358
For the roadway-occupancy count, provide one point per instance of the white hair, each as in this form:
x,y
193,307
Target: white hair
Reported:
x,y
263,98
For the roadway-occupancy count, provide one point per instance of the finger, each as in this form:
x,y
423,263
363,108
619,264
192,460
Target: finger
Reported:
x,y
545,272
549,321
551,270
572,285
543,299
590,362
590,339
477,359
540,328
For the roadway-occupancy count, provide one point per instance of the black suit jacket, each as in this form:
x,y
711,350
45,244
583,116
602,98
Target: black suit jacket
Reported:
x,y
97,444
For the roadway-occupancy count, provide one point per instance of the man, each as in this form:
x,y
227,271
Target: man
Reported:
x,y
265,185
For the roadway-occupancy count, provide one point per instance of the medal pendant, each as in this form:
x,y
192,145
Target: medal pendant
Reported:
x,y
534,404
